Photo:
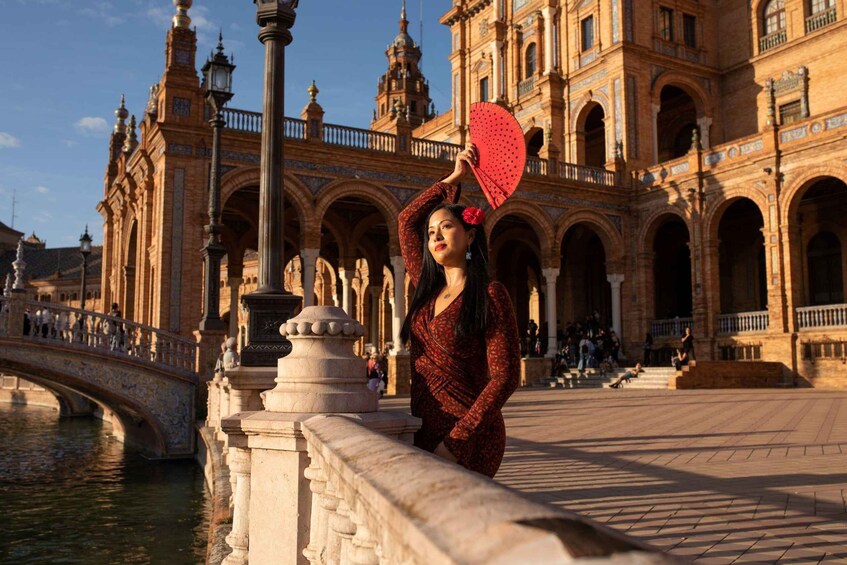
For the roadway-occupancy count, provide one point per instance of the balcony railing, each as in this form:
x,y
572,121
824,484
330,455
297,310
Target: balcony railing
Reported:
x,y
536,166
242,120
526,86
821,19
772,40
358,138
671,327
292,128
828,316
344,136
426,149
743,322
584,173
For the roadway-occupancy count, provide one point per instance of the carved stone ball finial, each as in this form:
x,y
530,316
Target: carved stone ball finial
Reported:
x,y
321,374
132,139
181,19
313,92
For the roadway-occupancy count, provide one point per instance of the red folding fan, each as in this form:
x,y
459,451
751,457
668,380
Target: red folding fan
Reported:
x,y
502,151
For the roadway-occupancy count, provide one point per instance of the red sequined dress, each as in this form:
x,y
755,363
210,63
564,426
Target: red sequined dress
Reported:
x,y
459,384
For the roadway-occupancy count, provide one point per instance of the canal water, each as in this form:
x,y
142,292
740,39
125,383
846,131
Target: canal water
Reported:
x,y
69,493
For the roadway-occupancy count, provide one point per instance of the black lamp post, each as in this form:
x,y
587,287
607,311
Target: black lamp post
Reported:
x,y
217,75
270,305
85,251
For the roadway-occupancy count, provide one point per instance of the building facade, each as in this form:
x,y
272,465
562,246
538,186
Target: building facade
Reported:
x,y
687,167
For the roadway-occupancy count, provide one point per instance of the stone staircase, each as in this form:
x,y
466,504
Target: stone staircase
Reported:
x,y
650,378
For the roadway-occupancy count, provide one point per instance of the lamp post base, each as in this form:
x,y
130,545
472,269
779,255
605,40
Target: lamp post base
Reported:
x,y
268,311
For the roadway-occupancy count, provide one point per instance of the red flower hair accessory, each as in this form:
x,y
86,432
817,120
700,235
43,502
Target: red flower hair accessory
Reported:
x,y
473,216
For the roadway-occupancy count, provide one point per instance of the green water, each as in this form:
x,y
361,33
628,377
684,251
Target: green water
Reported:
x,y
71,494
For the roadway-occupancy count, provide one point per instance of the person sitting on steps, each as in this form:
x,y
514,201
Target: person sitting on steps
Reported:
x,y
627,376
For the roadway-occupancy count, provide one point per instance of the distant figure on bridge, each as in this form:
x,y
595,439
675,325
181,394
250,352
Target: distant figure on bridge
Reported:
x,y
114,328
62,326
464,341
46,322
231,358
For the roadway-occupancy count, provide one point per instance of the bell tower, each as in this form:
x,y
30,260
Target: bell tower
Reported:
x,y
402,90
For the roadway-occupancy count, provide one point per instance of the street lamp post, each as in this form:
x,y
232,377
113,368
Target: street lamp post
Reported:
x,y
85,251
217,74
269,305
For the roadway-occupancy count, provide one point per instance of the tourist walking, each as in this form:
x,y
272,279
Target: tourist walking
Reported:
x,y
461,329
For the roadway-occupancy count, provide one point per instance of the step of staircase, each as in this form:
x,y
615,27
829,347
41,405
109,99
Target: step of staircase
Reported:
x,y
652,378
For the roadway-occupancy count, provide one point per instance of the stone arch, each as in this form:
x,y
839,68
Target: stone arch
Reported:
x,y
295,192
605,229
792,193
534,216
712,219
593,96
650,225
686,83
377,195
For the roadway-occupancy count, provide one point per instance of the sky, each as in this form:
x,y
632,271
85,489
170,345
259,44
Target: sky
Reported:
x,y
66,64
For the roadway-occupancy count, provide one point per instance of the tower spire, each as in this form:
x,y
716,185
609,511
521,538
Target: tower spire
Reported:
x,y
404,23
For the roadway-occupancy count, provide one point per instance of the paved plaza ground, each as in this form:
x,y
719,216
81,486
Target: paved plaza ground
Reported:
x,y
718,476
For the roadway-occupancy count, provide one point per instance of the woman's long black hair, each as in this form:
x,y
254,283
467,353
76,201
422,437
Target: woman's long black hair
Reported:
x,y
474,314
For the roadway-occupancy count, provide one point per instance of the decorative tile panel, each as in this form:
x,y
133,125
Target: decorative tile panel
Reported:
x,y
836,121
588,80
752,147
714,158
793,134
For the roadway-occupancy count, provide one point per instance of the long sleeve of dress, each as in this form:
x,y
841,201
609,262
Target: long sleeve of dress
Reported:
x,y
504,367
410,224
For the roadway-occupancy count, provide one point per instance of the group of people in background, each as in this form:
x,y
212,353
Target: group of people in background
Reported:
x,y
68,326
587,345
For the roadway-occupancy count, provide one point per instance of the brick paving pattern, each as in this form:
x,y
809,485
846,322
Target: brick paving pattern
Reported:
x,y
716,476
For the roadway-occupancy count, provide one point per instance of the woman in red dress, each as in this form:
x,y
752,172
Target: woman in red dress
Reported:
x,y
464,344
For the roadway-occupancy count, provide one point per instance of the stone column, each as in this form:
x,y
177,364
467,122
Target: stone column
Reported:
x,y
654,116
615,281
238,460
550,276
234,285
549,13
399,266
308,264
375,292
496,69
704,124
347,289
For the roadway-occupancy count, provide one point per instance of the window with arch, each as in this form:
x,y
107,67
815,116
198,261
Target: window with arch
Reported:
x,y
531,60
818,6
774,16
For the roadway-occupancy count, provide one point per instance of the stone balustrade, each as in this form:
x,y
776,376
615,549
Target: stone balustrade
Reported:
x,y
356,138
743,322
827,316
671,327
321,476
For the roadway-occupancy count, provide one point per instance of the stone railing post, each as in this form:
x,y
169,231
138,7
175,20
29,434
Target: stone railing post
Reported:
x,y
321,375
16,313
238,459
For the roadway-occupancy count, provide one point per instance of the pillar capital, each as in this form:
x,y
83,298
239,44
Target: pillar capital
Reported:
x,y
615,279
397,262
550,273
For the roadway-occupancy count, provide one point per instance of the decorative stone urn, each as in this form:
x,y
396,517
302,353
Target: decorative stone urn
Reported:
x,y
321,374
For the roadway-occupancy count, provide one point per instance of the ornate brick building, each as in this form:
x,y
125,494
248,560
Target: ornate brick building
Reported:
x,y
688,166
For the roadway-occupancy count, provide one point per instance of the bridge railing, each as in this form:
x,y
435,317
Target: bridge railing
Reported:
x,y
103,332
